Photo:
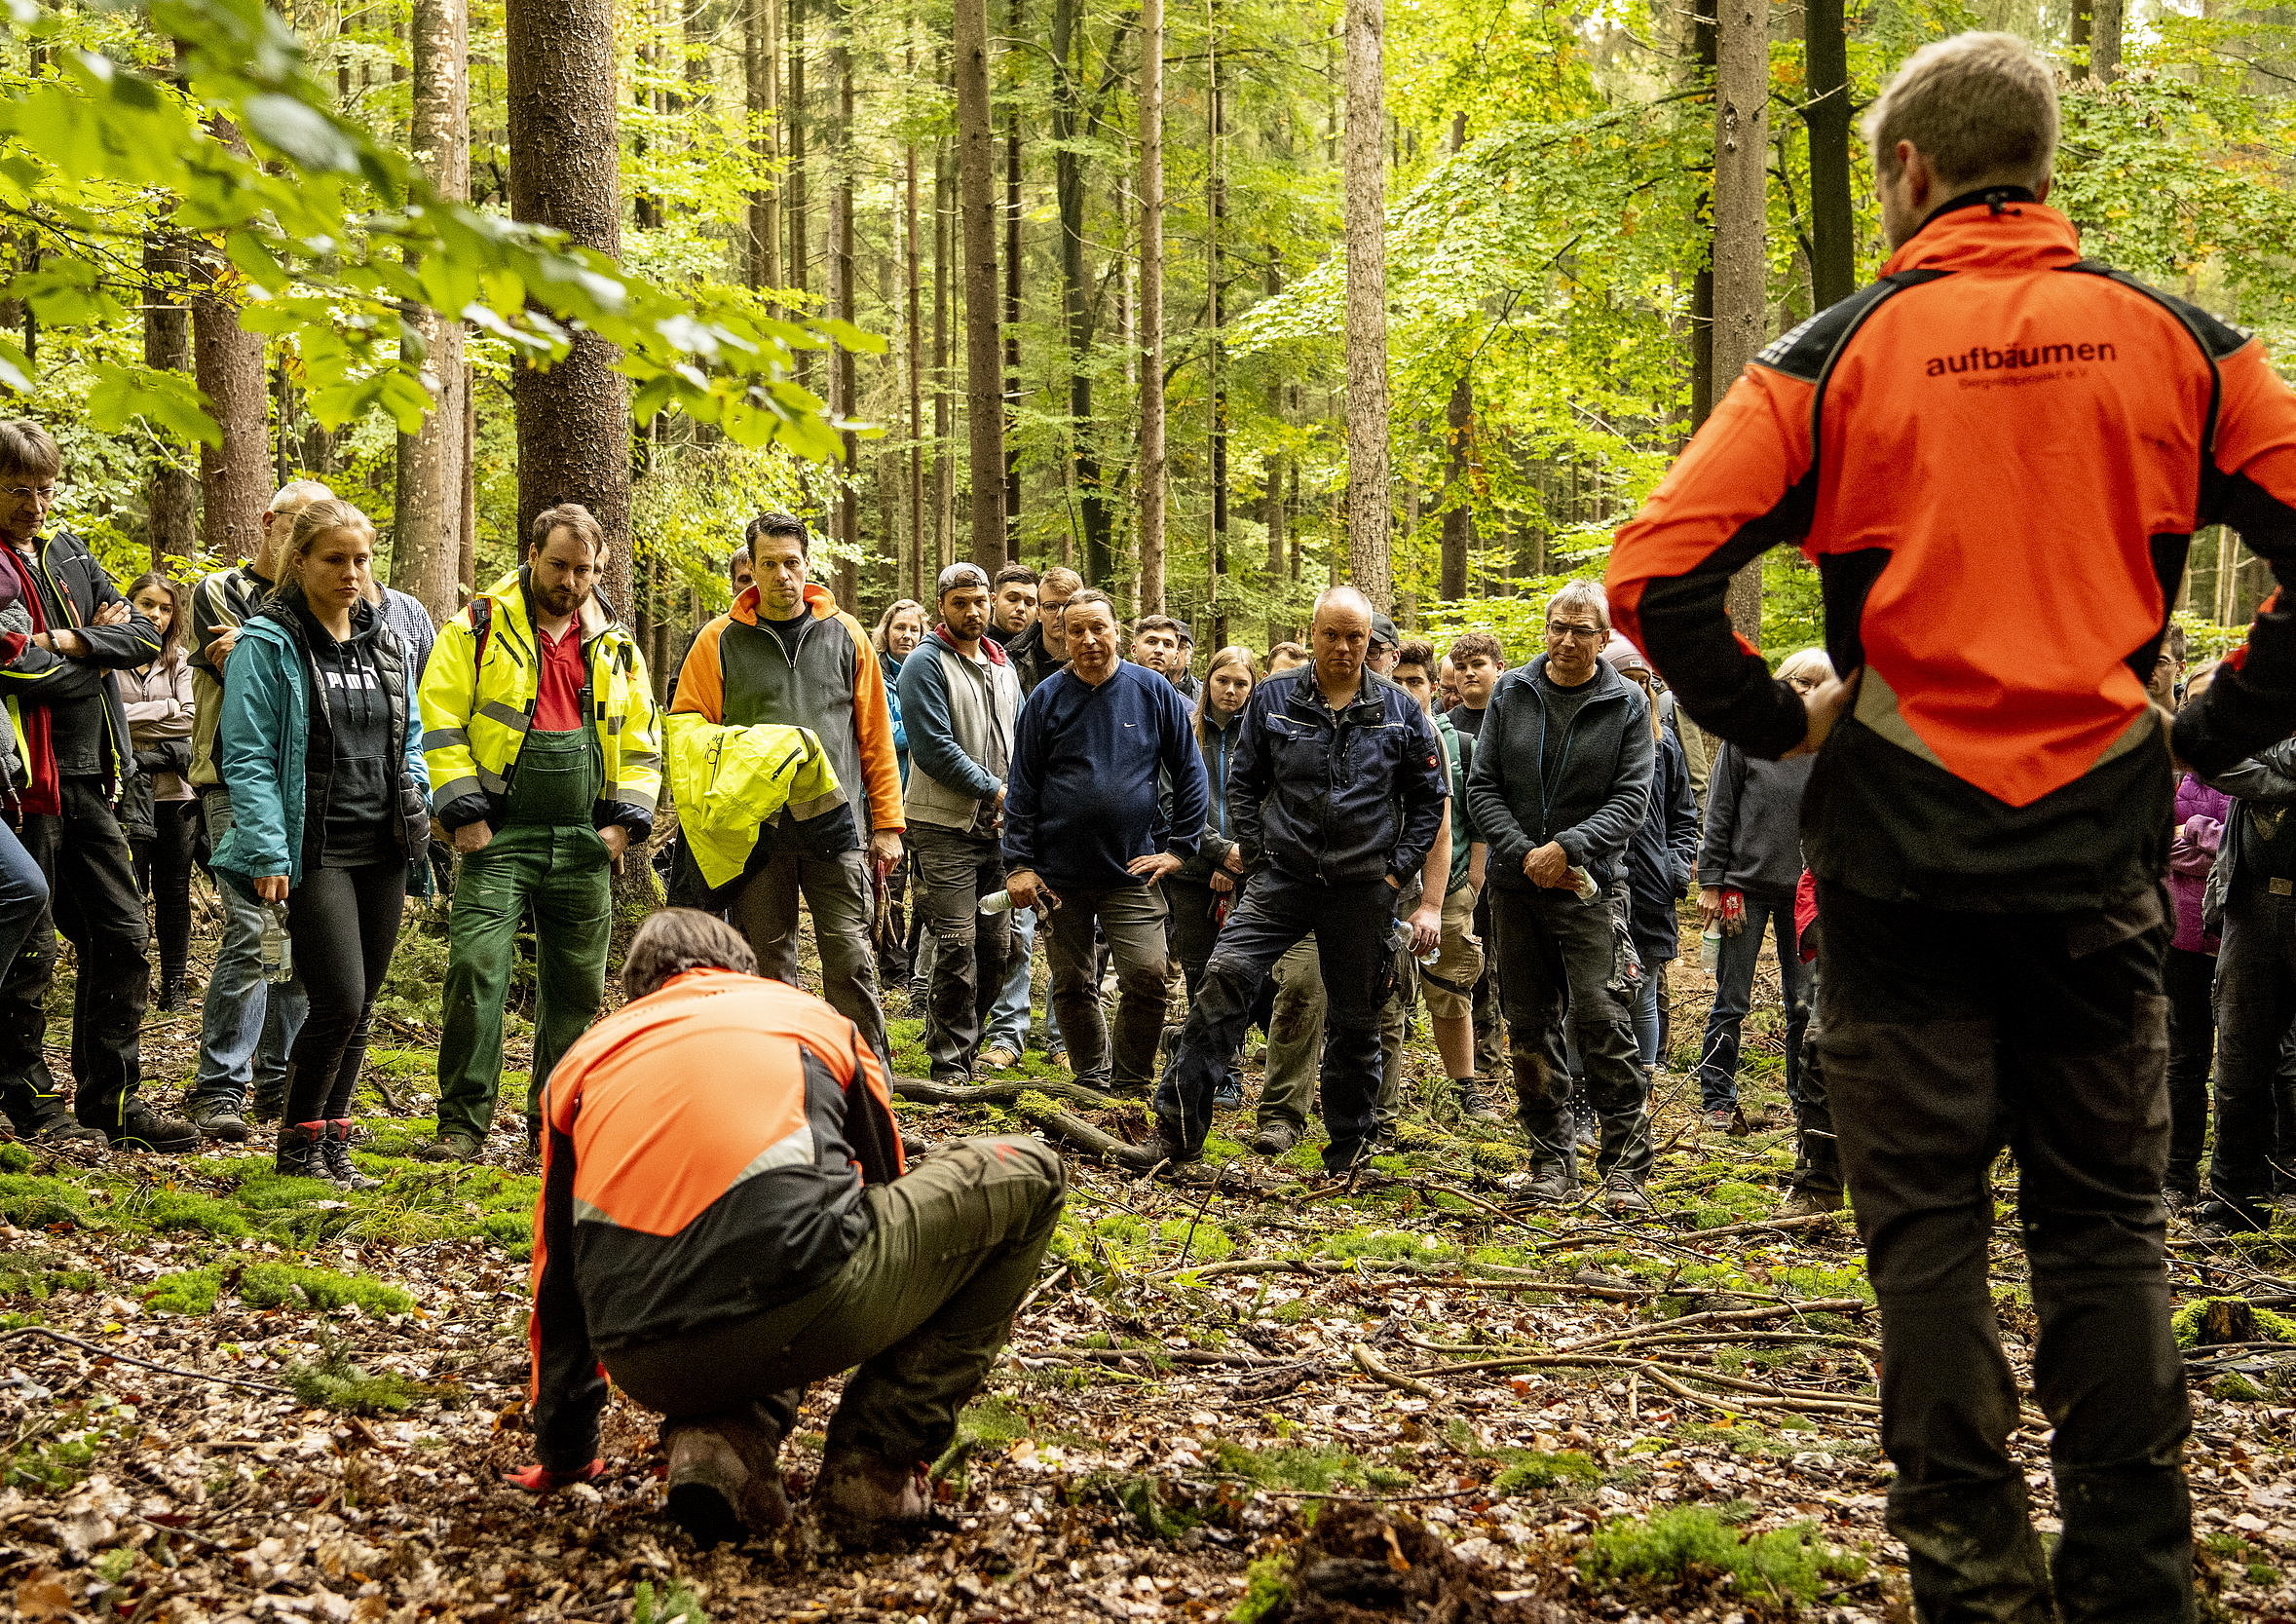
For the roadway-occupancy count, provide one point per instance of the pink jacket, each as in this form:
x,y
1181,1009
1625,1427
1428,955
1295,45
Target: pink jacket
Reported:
x,y
2200,813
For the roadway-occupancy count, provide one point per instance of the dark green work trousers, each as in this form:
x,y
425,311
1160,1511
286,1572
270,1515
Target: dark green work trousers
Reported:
x,y
546,856
923,1307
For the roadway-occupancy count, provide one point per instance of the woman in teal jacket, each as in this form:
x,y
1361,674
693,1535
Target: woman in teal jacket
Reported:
x,y
320,747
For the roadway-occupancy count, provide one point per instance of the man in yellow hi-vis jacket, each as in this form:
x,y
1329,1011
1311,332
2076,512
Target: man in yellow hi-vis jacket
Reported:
x,y
544,751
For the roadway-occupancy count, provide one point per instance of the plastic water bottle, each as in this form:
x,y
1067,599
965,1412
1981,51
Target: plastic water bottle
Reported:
x,y
277,952
997,902
1583,883
1710,949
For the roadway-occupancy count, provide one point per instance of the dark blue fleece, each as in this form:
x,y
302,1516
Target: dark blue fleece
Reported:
x,y
1081,801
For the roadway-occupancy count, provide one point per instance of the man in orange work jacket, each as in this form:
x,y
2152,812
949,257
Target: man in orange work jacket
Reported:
x,y
1996,438
725,1219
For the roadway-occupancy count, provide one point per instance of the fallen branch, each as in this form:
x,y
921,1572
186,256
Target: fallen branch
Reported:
x,y
1760,1395
144,1364
1720,1316
1810,1222
1368,1363
1518,1280
998,1093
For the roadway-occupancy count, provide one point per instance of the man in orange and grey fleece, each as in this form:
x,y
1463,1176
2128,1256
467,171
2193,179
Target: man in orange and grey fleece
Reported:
x,y
785,652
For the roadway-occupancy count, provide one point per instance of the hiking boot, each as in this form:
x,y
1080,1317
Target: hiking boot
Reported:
x,y
302,1152
1274,1138
1163,1148
450,1147
1722,1121
1808,1201
1552,1182
335,1151
217,1117
866,1503
725,1478
1476,1103
142,1129
1229,1095
171,997
2178,1197
2221,1215
1623,1196
49,1122
271,1099
998,1057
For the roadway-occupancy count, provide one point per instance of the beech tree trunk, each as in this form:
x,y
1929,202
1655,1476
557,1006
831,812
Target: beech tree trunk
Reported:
x,y
1363,166
944,411
1151,307
227,362
426,523
172,495
1833,221
846,394
761,63
795,199
913,268
574,421
1216,213
1013,307
984,366
1742,87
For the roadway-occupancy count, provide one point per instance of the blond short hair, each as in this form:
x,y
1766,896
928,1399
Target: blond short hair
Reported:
x,y
1980,107
1811,664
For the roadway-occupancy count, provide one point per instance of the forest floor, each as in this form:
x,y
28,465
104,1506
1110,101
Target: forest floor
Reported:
x,y
1264,1395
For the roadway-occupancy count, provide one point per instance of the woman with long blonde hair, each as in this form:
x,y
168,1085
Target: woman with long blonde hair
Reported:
x,y
1201,892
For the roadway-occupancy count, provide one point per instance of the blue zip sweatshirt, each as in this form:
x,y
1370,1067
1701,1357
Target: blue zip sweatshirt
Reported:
x,y
1081,801
1339,797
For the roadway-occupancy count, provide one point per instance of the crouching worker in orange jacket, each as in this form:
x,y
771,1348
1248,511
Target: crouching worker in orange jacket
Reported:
x,y
725,1218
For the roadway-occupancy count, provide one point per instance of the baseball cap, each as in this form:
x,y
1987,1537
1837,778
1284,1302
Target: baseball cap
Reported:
x,y
960,575
1384,635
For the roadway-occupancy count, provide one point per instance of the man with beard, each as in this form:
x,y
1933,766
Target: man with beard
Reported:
x,y
544,752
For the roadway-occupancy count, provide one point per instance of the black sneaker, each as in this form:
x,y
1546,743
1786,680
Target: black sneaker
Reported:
x,y
1551,1184
51,1124
142,1129
1229,1095
1163,1149
216,1116
171,997
2222,1216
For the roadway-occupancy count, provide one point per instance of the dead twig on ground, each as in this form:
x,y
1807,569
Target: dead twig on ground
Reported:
x,y
145,1364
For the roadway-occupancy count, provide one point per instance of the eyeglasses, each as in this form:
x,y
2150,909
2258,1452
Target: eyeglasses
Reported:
x,y
31,493
1584,634
1801,685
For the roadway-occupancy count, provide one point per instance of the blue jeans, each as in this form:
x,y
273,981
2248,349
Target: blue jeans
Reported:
x,y
247,1025
1008,1019
24,895
1718,1066
1646,1004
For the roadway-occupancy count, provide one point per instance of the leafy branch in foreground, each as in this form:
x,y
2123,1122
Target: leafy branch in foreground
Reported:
x,y
332,238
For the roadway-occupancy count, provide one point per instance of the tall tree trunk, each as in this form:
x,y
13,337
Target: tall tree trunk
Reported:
x,y
574,420
2104,45
427,516
841,272
1458,513
944,424
172,497
1362,161
761,62
1706,52
1012,305
1068,187
227,362
1742,87
983,367
1833,221
2077,31
467,565
913,268
1216,211
795,200
1150,577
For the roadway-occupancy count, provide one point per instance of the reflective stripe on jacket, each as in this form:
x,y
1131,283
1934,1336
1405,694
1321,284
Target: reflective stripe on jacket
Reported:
x,y
478,703
728,782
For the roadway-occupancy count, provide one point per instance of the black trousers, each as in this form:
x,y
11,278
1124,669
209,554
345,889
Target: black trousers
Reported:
x,y
95,904
344,922
2188,979
2255,1002
1192,926
1948,1036
163,868
970,948
1554,951
1351,925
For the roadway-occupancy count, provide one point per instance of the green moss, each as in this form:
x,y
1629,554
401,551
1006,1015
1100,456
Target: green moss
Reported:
x,y
1392,1245
1310,1467
172,1210
2235,1388
673,1603
1265,1591
286,1286
2269,1327
187,1291
1537,1469
1694,1543
14,1158
33,1202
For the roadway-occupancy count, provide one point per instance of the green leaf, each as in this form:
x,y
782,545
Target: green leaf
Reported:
x,y
168,400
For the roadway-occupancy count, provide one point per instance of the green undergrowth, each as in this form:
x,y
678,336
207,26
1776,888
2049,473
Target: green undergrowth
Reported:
x,y
2269,1327
54,1447
273,1285
1695,1545
241,1198
1305,1468
336,1383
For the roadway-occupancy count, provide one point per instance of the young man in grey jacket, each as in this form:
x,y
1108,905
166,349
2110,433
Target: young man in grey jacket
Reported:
x,y
959,699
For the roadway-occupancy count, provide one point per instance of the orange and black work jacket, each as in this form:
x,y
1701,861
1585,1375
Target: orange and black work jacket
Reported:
x,y
1996,456
706,1152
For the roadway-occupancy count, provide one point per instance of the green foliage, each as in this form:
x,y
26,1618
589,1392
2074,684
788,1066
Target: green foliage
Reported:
x,y
2270,1325
1311,1468
1265,1589
672,1604
33,1202
336,1383
286,1286
1537,1469
1694,1543
190,1291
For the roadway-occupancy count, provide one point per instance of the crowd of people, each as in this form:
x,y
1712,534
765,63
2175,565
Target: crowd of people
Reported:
x,y
2022,892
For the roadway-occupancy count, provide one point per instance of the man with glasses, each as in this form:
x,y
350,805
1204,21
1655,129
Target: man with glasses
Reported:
x,y
56,673
1559,784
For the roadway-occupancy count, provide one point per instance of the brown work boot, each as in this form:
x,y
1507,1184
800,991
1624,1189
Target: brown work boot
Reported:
x,y
869,1503
725,1478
